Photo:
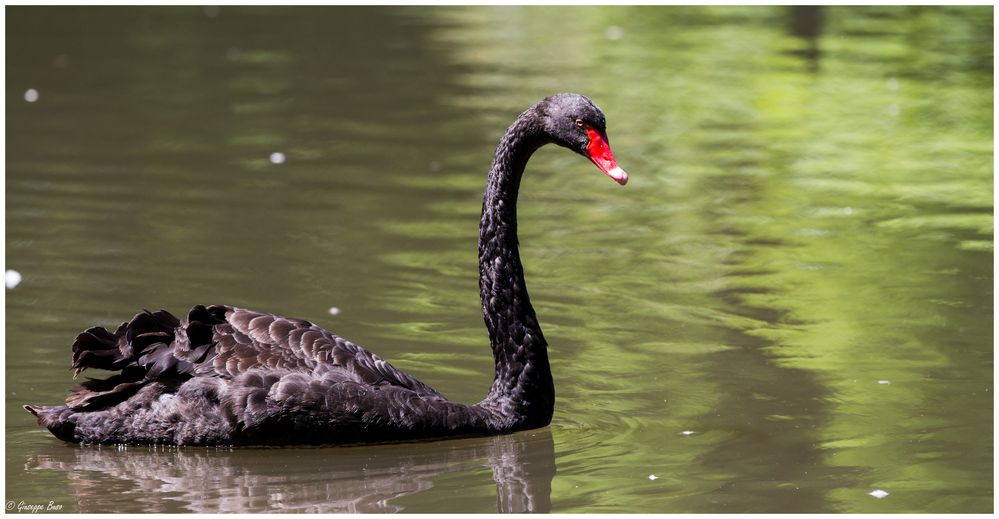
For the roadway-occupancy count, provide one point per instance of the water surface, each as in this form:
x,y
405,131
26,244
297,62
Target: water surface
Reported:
x,y
789,306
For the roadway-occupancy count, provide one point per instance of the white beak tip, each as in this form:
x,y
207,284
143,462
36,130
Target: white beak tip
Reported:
x,y
619,175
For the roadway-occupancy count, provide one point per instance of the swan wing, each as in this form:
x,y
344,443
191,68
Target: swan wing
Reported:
x,y
248,339
219,341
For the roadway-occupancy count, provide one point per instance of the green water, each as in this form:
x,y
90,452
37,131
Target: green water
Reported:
x,y
788,307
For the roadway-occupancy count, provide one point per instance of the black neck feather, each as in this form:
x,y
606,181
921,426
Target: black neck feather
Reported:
x,y
522,389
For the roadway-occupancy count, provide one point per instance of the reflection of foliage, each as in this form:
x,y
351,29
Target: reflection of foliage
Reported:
x,y
826,208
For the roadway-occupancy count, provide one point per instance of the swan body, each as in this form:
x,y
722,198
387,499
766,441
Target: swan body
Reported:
x,y
230,376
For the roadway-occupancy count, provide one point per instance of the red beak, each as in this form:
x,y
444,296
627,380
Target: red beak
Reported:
x,y
600,153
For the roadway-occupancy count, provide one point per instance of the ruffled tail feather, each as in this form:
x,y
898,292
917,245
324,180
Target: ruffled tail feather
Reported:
x,y
140,349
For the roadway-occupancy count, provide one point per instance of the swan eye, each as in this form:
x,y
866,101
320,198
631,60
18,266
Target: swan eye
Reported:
x,y
579,123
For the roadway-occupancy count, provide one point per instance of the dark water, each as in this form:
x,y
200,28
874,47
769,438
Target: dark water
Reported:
x,y
789,307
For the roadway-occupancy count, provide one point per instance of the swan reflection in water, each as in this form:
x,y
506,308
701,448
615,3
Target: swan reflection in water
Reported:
x,y
342,479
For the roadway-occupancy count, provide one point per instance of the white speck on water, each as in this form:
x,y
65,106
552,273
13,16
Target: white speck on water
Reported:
x,y
31,95
334,310
688,433
848,211
878,493
893,84
212,11
653,477
435,166
614,32
277,158
884,382
12,278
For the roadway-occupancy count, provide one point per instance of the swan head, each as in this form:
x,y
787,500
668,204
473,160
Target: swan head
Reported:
x,y
573,121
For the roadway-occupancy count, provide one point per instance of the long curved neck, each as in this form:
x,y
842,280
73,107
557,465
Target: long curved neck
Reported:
x,y
522,394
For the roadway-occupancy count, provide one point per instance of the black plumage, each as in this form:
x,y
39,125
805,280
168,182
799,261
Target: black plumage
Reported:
x,y
230,376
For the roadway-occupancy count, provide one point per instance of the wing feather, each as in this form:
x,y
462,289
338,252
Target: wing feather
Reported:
x,y
226,342
248,340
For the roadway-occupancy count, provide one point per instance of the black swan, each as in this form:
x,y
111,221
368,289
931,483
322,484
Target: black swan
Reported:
x,y
230,376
